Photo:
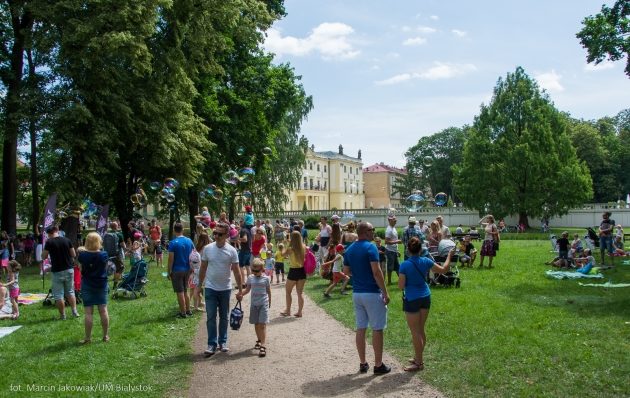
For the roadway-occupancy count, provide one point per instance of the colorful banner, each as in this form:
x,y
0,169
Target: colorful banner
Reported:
x,y
49,220
101,221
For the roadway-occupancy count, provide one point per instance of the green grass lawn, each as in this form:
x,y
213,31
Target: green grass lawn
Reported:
x,y
149,347
510,331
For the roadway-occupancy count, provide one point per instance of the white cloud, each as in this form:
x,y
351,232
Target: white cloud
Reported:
x,y
438,71
425,29
330,40
414,41
601,66
550,81
459,33
434,17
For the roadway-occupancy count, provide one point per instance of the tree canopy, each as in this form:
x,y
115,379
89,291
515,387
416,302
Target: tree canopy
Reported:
x,y
518,158
607,34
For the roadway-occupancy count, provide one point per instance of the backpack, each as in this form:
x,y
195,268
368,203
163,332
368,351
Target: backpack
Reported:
x,y
310,263
236,316
110,244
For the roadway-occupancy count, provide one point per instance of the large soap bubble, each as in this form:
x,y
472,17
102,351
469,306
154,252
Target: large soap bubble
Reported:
x,y
230,177
247,194
155,185
441,199
427,161
240,151
346,217
246,174
415,201
170,198
267,151
171,183
217,194
164,193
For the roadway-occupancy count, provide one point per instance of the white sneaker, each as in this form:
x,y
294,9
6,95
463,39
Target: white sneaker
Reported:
x,y
224,348
209,351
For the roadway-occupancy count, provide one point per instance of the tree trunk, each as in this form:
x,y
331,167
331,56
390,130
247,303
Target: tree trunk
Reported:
x,y
522,219
32,129
13,115
193,209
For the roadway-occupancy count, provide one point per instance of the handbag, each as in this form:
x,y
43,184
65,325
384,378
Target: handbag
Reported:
x,y
236,316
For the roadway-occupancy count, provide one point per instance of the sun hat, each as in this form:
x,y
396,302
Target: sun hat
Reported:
x,y
335,217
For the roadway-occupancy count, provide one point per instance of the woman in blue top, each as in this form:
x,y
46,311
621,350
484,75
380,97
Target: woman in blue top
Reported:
x,y
94,288
417,296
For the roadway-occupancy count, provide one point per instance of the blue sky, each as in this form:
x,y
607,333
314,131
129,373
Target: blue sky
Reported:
x,y
385,73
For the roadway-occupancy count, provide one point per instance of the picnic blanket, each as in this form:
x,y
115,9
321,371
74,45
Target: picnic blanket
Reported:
x,y
607,284
4,331
571,275
31,298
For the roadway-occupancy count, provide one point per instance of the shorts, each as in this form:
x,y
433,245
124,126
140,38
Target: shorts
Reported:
x,y
464,258
269,271
416,305
244,259
259,314
279,268
14,293
4,263
392,261
94,296
296,274
563,254
63,284
339,276
179,281
370,309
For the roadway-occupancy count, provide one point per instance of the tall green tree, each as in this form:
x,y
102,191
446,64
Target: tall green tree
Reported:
x,y
432,158
607,34
518,158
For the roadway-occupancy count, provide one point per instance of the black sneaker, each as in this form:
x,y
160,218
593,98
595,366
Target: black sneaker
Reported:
x,y
180,315
363,367
381,370
189,313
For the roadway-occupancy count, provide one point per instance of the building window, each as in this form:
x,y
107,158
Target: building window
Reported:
x,y
350,170
357,171
311,184
345,186
344,169
324,168
310,166
317,167
324,185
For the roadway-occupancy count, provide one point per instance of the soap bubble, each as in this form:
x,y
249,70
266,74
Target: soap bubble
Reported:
x,y
247,194
170,198
427,161
155,185
415,201
171,183
164,193
240,151
246,174
61,214
267,151
217,194
346,217
202,195
441,199
230,177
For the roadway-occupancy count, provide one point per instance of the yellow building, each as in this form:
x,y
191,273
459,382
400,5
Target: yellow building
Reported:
x,y
329,180
379,182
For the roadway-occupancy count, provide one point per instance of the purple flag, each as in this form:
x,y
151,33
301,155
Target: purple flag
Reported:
x,y
49,215
101,223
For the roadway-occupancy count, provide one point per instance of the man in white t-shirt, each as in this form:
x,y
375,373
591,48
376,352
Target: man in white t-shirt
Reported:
x,y
446,232
218,259
391,248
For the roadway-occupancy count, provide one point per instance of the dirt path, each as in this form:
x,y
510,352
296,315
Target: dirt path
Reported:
x,y
301,361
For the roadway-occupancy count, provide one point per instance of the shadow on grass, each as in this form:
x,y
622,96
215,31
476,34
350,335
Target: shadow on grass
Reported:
x,y
347,384
586,301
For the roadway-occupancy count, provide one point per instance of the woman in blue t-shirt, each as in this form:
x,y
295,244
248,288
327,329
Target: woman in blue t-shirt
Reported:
x,y
94,288
417,296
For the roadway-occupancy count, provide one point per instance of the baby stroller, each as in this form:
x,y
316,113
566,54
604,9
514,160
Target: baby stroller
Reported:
x,y
450,278
591,238
133,282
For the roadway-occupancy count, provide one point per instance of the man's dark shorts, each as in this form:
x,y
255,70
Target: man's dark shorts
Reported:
x,y
392,261
179,280
244,259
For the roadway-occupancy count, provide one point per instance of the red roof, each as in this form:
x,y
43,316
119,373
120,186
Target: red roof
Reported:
x,y
382,167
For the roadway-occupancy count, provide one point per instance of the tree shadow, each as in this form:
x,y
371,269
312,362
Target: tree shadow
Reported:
x,y
392,384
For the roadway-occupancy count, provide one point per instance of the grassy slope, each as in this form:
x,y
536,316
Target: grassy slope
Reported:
x,y
510,331
148,345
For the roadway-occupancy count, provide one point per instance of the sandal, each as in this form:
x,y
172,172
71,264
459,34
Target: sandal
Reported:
x,y
284,314
297,315
257,346
262,352
105,339
85,341
414,367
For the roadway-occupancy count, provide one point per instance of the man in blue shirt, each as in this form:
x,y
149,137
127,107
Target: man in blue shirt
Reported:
x,y
369,296
179,250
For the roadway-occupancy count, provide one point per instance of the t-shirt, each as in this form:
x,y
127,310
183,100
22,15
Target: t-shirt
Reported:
x,y
607,224
249,218
247,246
220,260
415,269
93,269
391,233
304,234
359,257
258,244
259,285
338,263
58,249
155,232
381,253
279,257
409,232
16,281
181,247
563,244
467,248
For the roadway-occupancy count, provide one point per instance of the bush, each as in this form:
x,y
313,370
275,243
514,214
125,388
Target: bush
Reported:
x,y
310,222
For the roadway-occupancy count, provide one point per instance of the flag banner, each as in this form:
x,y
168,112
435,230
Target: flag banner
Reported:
x,y
101,222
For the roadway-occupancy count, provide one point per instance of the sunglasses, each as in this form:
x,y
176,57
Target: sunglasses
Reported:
x,y
256,270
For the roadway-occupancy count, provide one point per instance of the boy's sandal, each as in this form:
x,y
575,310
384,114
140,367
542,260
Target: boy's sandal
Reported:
x,y
85,341
262,352
257,346
414,367
297,315
105,339
284,314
